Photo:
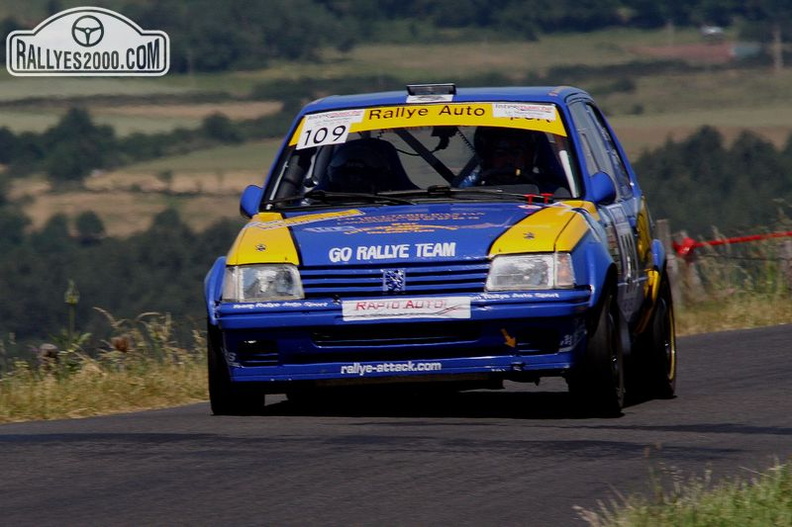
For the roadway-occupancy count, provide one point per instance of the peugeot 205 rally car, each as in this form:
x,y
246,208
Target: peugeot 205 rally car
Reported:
x,y
444,235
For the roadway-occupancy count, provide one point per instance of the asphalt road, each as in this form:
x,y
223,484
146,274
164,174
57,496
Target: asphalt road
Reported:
x,y
515,457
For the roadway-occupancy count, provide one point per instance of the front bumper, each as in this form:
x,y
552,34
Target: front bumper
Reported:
x,y
517,336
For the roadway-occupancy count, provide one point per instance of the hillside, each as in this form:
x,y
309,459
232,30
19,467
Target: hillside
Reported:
x,y
648,99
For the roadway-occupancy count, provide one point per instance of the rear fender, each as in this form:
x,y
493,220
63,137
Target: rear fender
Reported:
x,y
653,283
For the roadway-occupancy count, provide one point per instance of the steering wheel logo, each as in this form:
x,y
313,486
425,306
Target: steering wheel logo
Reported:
x,y
87,31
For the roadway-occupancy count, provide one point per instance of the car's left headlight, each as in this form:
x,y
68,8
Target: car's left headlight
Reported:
x,y
522,272
262,282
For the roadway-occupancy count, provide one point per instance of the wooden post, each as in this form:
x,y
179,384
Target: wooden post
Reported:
x,y
786,263
664,235
692,287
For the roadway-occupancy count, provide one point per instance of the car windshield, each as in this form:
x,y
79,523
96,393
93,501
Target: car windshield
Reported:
x,y
363,154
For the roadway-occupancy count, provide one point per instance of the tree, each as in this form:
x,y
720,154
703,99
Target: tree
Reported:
x,y
76,146
9,144
220,128
90,228
7,25
54,239
12,225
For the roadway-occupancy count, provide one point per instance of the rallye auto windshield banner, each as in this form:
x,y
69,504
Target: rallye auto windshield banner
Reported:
x,y
327,128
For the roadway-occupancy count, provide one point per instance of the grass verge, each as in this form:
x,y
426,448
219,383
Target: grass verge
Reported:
x,y
763,500
737,311
141,367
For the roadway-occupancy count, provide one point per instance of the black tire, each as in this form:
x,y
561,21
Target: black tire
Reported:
x,y
226,397
656,354
597,381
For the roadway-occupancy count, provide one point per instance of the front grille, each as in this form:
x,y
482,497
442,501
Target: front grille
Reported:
x,y
370,336
394,342
350,356
419,278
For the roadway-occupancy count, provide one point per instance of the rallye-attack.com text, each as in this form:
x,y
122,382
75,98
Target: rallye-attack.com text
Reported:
x,y
390,367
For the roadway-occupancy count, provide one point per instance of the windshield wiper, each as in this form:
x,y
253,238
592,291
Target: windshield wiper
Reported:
x,y
324,196
444,191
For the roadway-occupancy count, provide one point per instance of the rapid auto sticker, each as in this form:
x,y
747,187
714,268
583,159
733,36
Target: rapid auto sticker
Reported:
x,y
328,128
451,307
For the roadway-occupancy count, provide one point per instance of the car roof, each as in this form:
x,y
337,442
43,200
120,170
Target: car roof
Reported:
x,y
546,94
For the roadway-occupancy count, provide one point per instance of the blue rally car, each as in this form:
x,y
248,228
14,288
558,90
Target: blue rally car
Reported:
x,y
456,237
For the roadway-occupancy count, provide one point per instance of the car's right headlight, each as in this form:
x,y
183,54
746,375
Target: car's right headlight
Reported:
x,y
262,282
522,272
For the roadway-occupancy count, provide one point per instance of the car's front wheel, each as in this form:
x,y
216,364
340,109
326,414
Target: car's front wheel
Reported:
x,y
226,397
597,380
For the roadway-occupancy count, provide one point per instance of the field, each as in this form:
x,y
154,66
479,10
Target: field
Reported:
x,y
655,108
130,118
204,188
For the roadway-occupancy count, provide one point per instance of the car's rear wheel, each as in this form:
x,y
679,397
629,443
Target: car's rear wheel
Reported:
x,y
597,381
656,354
226,397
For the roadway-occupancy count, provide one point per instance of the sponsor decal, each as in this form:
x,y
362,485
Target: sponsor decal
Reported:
x,y
331,128
270,305
524,111
412,217
410,222
356,368
538,295
302,220
398,228
322,230
451,307
402,251
569,341
88,42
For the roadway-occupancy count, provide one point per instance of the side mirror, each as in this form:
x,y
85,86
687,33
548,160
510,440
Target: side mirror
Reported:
x,y
602,189
250,201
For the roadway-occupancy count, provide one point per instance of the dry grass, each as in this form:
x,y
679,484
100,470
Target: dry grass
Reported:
x,y
140,367
446,62
232,110
760,499
204,186
127,213
130,118
94,390
735,311
123,213
16,88
644,136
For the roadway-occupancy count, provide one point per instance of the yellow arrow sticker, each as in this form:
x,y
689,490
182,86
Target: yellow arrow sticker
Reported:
x,y
508,339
